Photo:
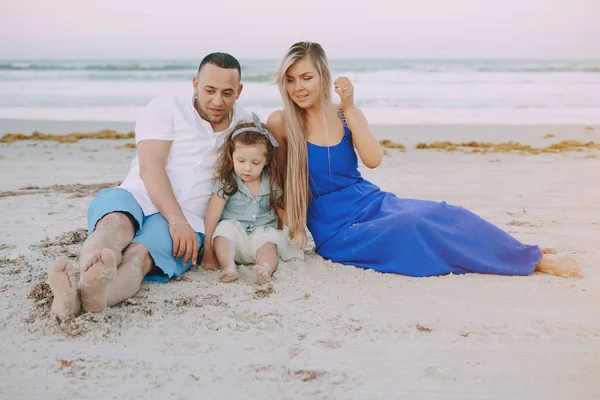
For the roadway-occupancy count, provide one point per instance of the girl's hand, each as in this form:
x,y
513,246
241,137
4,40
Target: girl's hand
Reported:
x,y
344,89
299,239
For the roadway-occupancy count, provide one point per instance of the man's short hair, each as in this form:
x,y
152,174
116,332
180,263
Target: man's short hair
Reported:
x,y
222,60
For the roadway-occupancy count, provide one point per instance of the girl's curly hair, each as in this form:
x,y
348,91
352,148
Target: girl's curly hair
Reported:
x,y
224,169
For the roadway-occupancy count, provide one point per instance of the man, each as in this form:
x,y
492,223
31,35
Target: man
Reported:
x,y
151,227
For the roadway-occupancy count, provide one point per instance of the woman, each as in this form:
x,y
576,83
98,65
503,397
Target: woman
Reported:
x,y
352,221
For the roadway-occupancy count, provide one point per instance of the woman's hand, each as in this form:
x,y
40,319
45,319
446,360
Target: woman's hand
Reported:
x,y
344,89
299,239
368,147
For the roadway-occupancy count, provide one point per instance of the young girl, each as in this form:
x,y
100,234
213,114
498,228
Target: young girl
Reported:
x,y
241,220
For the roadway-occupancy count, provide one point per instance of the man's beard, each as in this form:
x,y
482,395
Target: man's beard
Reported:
x,y
218,120
207,117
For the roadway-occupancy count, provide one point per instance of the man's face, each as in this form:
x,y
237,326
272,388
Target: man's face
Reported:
x,y
217,89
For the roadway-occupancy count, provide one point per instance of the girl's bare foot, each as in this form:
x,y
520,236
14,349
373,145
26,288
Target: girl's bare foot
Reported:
x,y
559,265
228,274
209,267
263,273
63,283
548,250
100,270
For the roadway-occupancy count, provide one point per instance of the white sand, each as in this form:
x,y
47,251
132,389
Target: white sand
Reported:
x,y
320,330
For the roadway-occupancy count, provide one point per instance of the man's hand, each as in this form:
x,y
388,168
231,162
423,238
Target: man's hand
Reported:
x,y
185,241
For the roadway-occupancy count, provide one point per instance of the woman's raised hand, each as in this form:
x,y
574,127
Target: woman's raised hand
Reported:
x,y
344,89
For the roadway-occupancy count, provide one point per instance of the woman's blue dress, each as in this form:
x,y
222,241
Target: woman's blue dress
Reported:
x,y
353,222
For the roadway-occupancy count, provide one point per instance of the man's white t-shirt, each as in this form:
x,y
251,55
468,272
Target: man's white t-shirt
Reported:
x,y
192,157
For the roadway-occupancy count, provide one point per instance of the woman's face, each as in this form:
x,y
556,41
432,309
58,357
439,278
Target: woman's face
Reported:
x,y
303,83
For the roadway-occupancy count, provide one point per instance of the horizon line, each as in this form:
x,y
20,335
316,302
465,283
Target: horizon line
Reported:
x,y
329,58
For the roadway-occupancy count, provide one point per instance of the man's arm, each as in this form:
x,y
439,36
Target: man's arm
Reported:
x,y
153,155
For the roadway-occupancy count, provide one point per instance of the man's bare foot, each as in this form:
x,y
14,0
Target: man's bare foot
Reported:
x,y
228,274
100,270
263,273
63,283
559,265
548,250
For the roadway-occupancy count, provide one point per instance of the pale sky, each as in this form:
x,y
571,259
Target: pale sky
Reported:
x,y
158,29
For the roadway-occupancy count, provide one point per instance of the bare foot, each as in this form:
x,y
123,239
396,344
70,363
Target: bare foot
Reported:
x,y
548,250
263,273
63,283
229,274
559,265
100,270
209,267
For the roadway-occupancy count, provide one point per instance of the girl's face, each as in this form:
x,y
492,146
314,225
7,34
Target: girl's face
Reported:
x,y
303,83
249,160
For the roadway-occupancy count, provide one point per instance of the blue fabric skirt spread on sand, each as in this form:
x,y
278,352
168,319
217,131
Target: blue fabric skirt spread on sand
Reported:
x,y
353,222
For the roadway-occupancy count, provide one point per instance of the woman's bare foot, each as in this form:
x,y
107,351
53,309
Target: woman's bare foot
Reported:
x,y
548,250
263,273
559,265
63,283
228,274
100,270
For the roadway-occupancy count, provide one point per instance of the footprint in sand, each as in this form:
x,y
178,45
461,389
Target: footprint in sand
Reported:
x,y
524,223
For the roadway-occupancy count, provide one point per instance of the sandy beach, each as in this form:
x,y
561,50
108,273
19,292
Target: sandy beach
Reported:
x,y
320,330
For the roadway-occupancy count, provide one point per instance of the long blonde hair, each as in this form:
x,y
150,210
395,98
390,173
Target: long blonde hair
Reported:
x,y
296,192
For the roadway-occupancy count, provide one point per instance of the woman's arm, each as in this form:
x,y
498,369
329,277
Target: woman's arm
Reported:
x,y
368,148
276,125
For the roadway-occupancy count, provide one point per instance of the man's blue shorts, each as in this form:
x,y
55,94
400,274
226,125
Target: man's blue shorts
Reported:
x,y
152,231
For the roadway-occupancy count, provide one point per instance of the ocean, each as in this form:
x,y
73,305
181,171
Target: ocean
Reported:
x,y
388,91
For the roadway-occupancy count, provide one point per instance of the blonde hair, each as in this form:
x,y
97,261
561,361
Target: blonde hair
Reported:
x,y
296,191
